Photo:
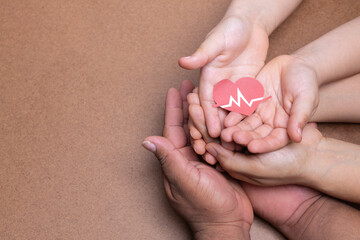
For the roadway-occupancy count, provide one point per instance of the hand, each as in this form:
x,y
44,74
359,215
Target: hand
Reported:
x,y
203,196
285,166
293,88
288,208
235,48
199,136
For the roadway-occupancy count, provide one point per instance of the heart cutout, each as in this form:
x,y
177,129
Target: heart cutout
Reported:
x,y
243,96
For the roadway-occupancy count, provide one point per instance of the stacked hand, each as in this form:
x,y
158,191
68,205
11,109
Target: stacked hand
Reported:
x,y
202,195
235,48
215,205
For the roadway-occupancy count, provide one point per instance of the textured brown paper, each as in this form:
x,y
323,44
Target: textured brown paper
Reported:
x,y
82,83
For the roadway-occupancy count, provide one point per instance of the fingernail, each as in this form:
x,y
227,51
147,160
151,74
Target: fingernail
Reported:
x,y
187,57
299,131
212,151
149,146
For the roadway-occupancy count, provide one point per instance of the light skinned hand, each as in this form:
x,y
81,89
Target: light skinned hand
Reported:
x,y
198,132
204,197
285,166
235,48
293,88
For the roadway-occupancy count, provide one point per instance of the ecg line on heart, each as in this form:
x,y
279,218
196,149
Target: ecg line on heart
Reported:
x,y
238,102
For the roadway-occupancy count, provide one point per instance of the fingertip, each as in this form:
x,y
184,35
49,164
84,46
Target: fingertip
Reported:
x,y
295,133
148,145
242,138
228,145
195,134
186,87
192,62
214,132
199,147
226,135
210,159
256,147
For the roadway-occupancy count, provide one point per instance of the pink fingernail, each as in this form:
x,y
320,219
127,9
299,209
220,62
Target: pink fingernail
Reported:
x,y
299,131
149,146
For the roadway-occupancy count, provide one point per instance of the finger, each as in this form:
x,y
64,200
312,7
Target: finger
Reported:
x,y
167,154
245,137
222,115
193,98
199,146
197,116
232,119
173,162
301,111
174,119
227,133
208,50
228,145
185,88
194,133
210,159
212,119
250,123
277,139
235,164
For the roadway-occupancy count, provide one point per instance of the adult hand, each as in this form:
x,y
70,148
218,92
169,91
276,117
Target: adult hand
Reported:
x,y
285,166
212,205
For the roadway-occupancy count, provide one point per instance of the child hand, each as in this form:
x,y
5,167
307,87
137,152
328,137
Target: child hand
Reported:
x,y
293,88
235,48
199,136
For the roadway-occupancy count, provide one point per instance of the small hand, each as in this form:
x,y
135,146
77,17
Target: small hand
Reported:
x,y
198,132
293,88
202,195
235,48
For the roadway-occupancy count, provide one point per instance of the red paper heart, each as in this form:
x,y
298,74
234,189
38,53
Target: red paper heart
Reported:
x,y
243,97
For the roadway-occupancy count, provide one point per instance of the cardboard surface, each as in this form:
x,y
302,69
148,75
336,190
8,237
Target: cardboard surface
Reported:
x,y
82,83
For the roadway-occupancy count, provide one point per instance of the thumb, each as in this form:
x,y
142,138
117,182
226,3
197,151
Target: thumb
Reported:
x,y
172,162
301,110
208,51
230,161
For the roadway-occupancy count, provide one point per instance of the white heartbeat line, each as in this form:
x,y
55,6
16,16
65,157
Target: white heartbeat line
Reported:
x,y
238,102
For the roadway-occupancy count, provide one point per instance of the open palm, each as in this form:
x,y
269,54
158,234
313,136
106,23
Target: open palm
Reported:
x,y
235,48
197,191
294,97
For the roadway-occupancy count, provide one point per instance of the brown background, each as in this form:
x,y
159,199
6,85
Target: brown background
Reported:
x,y
81,84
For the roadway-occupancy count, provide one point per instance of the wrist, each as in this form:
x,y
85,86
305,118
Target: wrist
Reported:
x,y
314,164
305,219
326,218
307,62
267,14
223,231
334,168
250,11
